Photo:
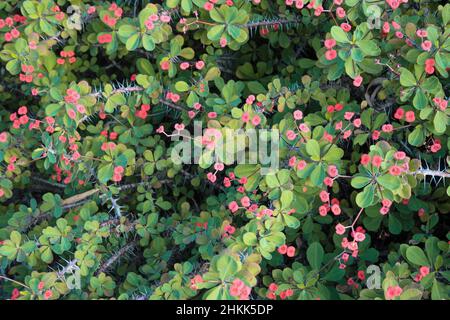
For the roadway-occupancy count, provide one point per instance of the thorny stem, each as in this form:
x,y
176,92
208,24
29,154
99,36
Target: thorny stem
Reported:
x,y
115,257
268,23
16,282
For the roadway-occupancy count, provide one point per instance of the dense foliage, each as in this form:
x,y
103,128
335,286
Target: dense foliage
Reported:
x,y
93,205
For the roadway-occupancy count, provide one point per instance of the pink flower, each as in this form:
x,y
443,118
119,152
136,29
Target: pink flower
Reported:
x,y
303,127
301,165
223,42
256,120
290,251
365,159
199,65
104,38
298,115
208,6
273,287
392,292
324,196
3,137
376,161
399,113
245,201
282,249
410,116
395,170
165,18
357,81
323,211
348,115
332,171
72,114
330,43
424,270
250,99
386,202
291,135
330,54
340,12
340,229
359,236
233,206
426,45
245,117
336,209
346,27
394,4
184,65
179,127
211,177
399,155
165,65
421,33
361,275
387,128
48,294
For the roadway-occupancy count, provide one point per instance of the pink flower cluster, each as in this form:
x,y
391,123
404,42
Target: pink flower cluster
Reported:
x,y
286,250
272,293
239,289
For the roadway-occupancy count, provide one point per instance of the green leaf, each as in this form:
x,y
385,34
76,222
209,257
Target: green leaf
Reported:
x,y
440,122
313,149
359,182
365,198
182,86
126,31
411,294
390,182
339,35
8,251
334,154
52,109
16,238
437,292
227,266
46,27
133,42
250,239
286,199
315,255
420,100
395,225
46,254
417,136
291,221
105,173
369,47
148,43
318,175
407,79
215,32
416,255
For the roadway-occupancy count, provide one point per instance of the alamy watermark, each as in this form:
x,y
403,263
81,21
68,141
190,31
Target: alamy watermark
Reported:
x,y
208,146
374,279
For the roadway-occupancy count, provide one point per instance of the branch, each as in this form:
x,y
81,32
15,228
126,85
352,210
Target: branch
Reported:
x,y
264,23
433,173
108,263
